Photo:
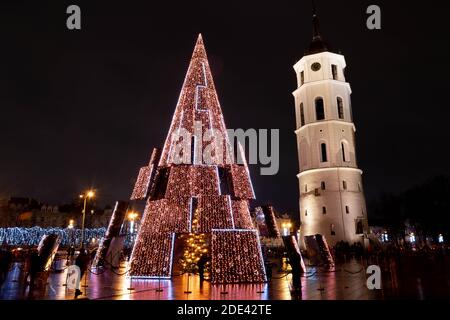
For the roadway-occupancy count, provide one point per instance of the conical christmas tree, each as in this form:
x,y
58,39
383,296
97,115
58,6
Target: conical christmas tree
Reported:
x,y
196,174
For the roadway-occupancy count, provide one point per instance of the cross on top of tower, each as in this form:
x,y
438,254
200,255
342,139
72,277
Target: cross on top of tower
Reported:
x,y
317,44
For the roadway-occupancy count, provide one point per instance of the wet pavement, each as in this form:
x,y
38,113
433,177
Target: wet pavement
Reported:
x,y
348,282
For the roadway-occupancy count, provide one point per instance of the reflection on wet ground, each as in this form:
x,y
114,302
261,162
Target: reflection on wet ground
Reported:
x,y
347,282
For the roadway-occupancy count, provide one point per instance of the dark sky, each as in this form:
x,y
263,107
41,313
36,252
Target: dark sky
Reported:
x,y
82,108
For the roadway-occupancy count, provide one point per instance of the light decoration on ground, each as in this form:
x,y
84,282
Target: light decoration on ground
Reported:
x,y
195,246
191,199
142,185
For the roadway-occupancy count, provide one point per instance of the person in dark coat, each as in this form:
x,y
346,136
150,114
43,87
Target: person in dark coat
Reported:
x,y
201,266
82,261
35,266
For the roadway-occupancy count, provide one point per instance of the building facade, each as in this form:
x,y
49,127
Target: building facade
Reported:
x,y
332,201
27,213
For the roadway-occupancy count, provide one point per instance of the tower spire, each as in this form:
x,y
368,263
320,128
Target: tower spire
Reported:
x,y
315,20
317,44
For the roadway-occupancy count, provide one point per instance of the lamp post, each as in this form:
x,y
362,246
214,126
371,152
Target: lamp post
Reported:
x,y
70,227
132,216
88,195
286,228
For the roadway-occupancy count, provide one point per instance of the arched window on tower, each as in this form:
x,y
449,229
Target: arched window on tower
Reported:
x,y
302,115
320,112
334,71
340,107
323,152
344,150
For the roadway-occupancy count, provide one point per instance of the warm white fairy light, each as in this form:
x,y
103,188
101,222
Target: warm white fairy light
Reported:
x,y
172,209
236,256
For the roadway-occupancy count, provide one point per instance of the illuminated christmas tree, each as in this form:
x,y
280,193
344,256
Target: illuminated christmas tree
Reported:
x,y
198,191
196,247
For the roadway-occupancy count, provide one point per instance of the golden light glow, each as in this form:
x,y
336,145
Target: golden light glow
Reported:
x,y
71,222
132,216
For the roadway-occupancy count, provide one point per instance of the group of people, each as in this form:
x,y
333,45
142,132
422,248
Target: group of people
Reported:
x,y
343,249
32,265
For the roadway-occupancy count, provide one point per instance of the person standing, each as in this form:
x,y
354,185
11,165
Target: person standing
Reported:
x,y
82,261
201,266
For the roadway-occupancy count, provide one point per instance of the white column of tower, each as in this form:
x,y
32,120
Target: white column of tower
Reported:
x,y
331,196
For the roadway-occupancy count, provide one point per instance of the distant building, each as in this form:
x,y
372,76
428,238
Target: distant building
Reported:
x,y
26,212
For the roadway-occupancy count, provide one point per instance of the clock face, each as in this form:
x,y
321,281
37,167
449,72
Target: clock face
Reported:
x,y
315,66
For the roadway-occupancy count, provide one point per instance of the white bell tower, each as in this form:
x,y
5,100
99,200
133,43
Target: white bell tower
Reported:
x,y
331,194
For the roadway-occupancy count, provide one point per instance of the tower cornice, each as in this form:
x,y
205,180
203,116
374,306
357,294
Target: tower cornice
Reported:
x,y
327,54
308,171
313,124
312,83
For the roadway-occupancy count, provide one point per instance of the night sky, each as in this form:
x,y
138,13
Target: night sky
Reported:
x,y
85,108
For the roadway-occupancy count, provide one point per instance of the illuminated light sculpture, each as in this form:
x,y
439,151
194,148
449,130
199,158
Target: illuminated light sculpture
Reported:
x,y
104,250
142,185
199,198
236,256
266,222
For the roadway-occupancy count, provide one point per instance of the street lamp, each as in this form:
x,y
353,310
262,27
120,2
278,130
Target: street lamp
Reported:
x,y
132,216
286,226
88,195
70,227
